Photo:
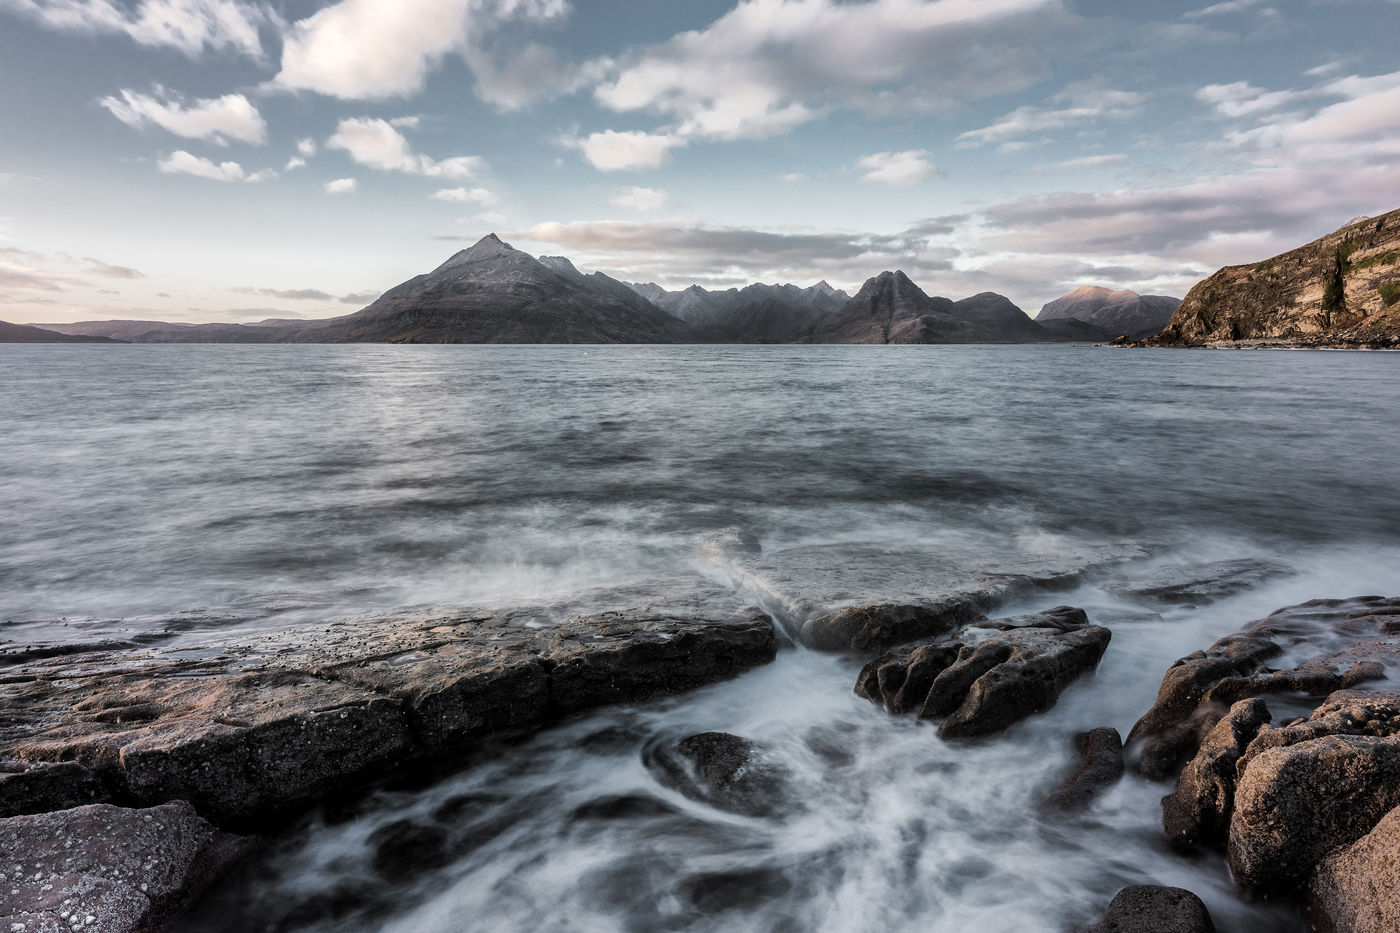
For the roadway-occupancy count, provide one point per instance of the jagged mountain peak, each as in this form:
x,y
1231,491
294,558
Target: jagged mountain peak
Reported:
x,y
486,249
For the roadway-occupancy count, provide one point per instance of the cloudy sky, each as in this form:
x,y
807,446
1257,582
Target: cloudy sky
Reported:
x,y
237,160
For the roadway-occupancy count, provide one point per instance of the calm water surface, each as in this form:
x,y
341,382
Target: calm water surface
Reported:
x,y
259,486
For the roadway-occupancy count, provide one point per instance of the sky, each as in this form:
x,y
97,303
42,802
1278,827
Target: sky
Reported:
x,y
237,160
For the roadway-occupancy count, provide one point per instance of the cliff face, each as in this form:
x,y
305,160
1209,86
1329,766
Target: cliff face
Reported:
x,y
1342,290
1111,312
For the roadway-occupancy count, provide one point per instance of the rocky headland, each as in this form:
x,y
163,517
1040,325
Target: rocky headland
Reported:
x,y
1339,291
1095,311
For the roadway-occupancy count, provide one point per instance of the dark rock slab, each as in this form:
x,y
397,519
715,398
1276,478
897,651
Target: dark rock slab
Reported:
x,y
1295,803
979,687
106,868
865,628
1010,676
1356,889
1314,648
26,788
1204,583
728,771
1099,767
255,727
1151,908
1198,811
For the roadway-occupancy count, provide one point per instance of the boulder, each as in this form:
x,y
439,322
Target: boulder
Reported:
x,y
1198,811
725,770
277,719
1010,676
1294,804
865,628
1151,908
984,686
1356,888
106,868
1099,767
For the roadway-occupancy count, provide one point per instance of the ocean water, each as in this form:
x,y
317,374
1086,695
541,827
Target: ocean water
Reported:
x,y
192,490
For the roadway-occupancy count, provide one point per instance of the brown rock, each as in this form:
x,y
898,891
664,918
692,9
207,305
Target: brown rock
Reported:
x,y
1356,889
106,868
1198,811
1099,768
865,628
1296,803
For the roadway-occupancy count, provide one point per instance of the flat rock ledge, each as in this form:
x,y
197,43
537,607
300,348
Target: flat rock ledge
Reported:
x,y
106,869
250,730
977,687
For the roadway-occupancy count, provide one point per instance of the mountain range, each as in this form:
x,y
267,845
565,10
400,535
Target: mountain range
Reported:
x,y
494,293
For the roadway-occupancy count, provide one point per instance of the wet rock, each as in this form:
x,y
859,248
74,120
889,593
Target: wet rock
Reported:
x,y
106,868
405,849
725,770
1151,908
1099,768
863,628
1295,803
901,679
1356,889
716,892
1196,691
987,685
1205,583
264,725
40,788
1010,676
1346,712
1198,811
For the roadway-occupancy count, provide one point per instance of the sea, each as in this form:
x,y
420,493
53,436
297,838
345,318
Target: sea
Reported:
x,y
202,490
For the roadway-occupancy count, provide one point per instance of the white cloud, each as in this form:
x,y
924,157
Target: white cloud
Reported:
x,y
1242,99
1092,161
181,162
491,217
767,66
218,119
342,186
188,25
306,147
371,49
792,177
612,151
295,162
377,145
897,169
1219,9
1087,103
465,195
641,199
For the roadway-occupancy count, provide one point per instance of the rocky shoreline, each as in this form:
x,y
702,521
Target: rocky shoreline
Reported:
x,y
131,776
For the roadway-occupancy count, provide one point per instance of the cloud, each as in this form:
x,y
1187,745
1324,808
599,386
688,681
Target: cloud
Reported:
x,y
1083,162
215,119
1219,9
490,217
191,26
290,294
376,144
183,163
1242,99
613,151
306,147
768,66
107,270
358,298
342,186
791,177
1087,103
373,50
465,196
295,162
641,199
897,169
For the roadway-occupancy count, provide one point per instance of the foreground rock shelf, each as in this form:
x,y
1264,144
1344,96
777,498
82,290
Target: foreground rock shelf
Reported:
x,y
1302,804
249,730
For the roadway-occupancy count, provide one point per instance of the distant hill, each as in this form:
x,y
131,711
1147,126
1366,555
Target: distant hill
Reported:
x,y
890,308
1341,290
757,313
494,293
28,333
116,330
1110,313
